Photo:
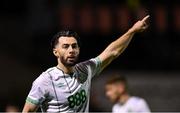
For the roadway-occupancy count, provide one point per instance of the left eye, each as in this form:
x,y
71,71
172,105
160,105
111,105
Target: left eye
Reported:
x,y
74,46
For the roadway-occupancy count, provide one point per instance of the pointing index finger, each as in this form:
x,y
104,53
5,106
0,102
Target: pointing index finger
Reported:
x,y
145,18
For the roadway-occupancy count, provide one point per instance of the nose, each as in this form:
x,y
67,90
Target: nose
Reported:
x,y
71,50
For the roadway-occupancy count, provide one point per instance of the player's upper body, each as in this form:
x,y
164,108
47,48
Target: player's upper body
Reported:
x,y
117,92
56,91
66,48
133,105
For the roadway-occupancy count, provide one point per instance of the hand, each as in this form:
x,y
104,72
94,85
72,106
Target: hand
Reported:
x,y
140,25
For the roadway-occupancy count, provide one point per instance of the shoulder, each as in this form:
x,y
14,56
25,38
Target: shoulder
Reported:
x,y
44,77
138,100
91,64
90,61
141,104
116,107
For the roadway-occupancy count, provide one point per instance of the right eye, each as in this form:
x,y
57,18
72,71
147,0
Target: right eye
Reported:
x,y
65,46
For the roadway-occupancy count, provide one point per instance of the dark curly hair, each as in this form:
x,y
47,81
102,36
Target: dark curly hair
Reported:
x,y
66,33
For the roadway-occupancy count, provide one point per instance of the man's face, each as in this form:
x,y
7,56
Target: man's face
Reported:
x,y
67,50
114,91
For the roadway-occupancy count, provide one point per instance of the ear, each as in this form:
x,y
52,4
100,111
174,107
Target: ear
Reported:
x,y
55,52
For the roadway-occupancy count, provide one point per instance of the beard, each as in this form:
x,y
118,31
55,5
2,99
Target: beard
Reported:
x,y
67,62
116,98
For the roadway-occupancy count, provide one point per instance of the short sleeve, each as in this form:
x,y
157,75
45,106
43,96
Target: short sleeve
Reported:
x,y
95,66
38,91
90,67
143,106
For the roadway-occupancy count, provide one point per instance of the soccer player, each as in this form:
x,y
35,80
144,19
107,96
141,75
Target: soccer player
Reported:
x,y
66,87
117,91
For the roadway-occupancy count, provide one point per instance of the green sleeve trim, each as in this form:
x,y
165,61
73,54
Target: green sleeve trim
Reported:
x,y
99,63
29,100
98,60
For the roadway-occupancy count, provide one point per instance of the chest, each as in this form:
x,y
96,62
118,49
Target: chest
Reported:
x,y
69,91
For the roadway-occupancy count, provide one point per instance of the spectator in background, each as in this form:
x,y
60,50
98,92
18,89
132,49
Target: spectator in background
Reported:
x,y
12,108
117,91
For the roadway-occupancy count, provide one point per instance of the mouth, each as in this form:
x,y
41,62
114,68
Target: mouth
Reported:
x,y
71,58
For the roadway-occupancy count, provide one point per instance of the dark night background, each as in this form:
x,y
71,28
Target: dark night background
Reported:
x,y
151,62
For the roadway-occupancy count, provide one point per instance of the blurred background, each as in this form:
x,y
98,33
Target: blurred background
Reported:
x,y
151,63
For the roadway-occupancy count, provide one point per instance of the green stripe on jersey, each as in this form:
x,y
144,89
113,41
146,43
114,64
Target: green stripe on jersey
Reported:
x,y
29,100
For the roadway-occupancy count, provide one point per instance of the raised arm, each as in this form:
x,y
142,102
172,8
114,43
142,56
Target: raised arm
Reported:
x,y
119,45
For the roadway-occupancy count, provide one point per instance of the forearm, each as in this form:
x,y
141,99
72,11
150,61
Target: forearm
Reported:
x,y
116,48
119,45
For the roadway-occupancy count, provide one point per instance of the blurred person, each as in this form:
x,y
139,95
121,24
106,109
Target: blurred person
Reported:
x,y
12,108
66,87
117,91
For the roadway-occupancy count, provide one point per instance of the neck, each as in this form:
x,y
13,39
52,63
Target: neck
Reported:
x,y
123,98
66,69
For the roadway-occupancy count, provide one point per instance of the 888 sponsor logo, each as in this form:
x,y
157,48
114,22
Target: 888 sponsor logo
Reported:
x,y
77,99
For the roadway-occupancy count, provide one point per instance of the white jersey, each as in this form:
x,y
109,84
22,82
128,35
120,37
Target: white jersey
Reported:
x,y
134,104
55,91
